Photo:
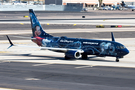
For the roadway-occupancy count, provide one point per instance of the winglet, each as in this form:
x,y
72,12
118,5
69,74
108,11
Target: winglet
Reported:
x,y
11,44
112,37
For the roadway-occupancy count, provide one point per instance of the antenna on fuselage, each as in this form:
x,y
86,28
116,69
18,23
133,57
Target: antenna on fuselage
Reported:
x,y
112,37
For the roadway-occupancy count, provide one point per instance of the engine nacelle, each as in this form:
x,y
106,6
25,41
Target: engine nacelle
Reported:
x,y
73,54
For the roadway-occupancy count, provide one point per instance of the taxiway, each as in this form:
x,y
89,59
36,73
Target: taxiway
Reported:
x,y
24,68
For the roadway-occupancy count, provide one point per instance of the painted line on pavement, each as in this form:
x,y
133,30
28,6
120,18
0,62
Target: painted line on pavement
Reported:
x,y
85,66
32,79
8,89
40,64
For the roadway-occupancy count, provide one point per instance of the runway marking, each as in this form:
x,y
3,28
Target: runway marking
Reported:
x,y
4,42
4,52
32,79
85,66
40,64
26,16
1,61
74,25
22,23
8,89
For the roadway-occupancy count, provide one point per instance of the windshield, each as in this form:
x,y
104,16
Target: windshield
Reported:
x,y
120,47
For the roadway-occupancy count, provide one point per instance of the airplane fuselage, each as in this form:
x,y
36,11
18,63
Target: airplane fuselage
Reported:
x,y
90,46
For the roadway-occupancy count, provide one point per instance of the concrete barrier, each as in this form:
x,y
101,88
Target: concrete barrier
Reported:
x,y
40,8
22,7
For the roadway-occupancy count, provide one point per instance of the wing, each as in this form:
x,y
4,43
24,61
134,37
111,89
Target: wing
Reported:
x,y
64,50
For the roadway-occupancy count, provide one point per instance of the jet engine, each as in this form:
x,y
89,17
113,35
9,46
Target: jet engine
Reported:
x,y
73,54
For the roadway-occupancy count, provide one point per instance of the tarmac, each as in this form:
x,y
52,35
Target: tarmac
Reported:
x,y
23,68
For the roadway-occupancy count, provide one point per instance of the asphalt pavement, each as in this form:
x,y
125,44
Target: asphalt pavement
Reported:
x,y
36,76
32,69
86,35
68,15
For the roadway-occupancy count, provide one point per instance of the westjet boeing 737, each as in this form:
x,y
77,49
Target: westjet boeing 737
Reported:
x,y
74,47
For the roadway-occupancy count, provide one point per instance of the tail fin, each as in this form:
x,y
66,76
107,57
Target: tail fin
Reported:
x,y
37,29
113,39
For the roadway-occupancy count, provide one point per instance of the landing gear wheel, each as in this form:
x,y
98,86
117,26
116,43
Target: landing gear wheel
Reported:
x,y
67,58
117,59
84,56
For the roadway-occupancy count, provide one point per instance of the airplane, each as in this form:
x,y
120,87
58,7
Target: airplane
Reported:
x,y
127,6
74,48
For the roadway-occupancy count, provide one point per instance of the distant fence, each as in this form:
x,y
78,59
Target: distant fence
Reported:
x,y
40,8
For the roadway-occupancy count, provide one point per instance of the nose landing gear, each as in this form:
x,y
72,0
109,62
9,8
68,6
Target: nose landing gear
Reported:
x,y
117,59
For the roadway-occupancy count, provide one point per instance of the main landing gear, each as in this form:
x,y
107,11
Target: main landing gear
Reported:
x,y
117,59
84,56
67,58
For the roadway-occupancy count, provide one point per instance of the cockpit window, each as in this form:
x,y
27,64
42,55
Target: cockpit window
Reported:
x,y
120,47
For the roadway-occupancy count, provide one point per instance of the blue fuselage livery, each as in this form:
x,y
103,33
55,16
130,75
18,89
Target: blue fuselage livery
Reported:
x,y
90,47
75,47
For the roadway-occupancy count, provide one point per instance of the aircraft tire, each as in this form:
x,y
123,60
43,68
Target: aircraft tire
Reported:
x,y
67,58
84,56
117,59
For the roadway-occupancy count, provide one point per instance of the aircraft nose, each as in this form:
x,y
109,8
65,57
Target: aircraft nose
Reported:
x,y
126,51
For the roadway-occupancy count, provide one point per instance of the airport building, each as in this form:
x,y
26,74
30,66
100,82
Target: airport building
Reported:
x,y
86,3
57,5
93,3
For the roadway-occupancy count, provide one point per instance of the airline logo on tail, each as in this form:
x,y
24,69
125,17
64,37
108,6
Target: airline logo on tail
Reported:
x,y
36,27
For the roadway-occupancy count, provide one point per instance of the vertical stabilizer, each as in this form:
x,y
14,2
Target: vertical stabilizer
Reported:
x,y
37,29
112,37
